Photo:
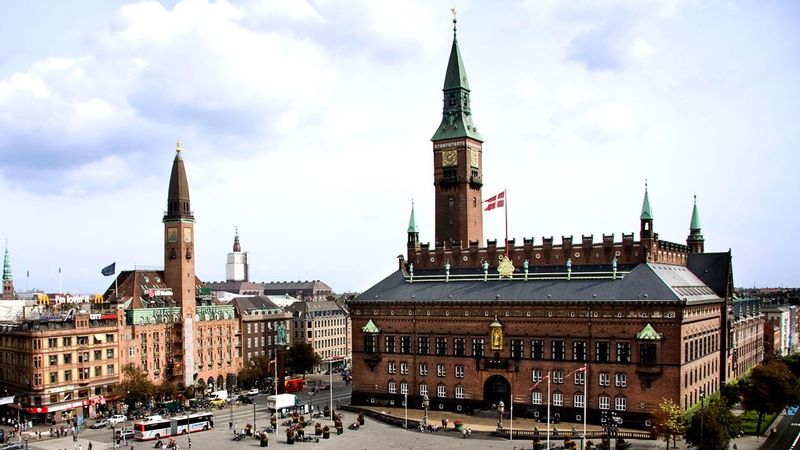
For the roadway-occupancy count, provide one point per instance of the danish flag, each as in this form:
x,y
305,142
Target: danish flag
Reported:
x,y
495,201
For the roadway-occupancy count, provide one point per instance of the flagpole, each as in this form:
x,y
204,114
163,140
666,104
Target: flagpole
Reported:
x,y
511,420
548,409
585,401
505,196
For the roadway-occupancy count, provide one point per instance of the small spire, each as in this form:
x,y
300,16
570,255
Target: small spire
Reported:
x,y
237,247
412,223
6,264
695,225
647,213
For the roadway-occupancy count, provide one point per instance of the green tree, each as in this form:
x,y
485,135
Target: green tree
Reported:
x,y
770,387
712,426
301,358
731,393
135,388
667,420
230,380
166,390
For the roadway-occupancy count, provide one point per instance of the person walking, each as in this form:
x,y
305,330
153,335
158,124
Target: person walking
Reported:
x,y
90,445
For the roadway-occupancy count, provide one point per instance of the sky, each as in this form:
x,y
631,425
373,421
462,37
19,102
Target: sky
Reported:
x,y
307,125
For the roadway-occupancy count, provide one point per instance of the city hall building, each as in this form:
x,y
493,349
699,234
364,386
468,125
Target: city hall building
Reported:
x,y
469,324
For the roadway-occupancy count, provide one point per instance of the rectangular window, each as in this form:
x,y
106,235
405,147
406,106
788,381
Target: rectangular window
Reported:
x,y
516,349
459,392
558,376
422,345
110,369
577,401
131,351
52,360
370,343
53,377
558,399
441,346
602,351
459,347
98,371
477,347
537,349
441,371
403,368
621,380
404,388
392,387
558,349
98,355
423,369
67,358
423,390
83,357
623,352
536,398
441,391
52,343
605,402
389,344
67,375
459,371
647,354
392,367
83,340
579,351
580,378
405,345
537,375
605,379
67,342
110,353
620,403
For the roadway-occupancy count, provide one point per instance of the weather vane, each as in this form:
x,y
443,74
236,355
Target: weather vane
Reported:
x,y
178,145
453,10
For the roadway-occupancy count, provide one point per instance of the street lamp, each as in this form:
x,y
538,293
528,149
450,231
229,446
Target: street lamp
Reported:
x,y
501,408
425,403
702,396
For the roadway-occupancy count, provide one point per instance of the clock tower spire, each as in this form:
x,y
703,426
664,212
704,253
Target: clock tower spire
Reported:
x,y
457,159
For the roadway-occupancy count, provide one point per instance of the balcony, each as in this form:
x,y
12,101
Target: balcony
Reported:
x,y
648,374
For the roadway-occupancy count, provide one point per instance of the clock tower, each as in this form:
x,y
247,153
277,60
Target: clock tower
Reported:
x,y
457,159
179,272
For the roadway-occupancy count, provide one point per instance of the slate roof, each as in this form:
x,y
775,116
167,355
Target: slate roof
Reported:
x,y
244,305
713,269
134,285
652,282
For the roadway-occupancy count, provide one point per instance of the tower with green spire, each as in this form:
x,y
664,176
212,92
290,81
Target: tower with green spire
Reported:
x,y
457,159
646,217
413,233
8,282
695,241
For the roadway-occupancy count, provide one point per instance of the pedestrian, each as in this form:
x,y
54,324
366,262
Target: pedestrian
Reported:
x,y
90,445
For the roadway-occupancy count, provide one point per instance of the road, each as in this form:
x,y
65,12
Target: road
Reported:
x,y
787,435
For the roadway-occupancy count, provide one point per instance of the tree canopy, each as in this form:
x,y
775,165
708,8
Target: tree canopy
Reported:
x,y
712,426
770,387
135,387
301,358
667,420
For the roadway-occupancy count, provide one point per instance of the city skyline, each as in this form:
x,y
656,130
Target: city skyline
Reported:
x,y
316,150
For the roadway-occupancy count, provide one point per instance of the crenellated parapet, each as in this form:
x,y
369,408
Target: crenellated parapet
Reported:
x,y
626,251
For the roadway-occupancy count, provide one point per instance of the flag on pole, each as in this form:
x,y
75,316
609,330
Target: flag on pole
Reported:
x,y
495,201
109,269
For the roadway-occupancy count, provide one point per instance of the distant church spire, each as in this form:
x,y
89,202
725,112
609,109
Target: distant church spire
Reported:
x,y
178,204
8,282
236,268
646,218
695,241
237,247
413,232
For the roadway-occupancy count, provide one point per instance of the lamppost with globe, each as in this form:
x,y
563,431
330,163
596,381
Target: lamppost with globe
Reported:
x,y
501,408
425,403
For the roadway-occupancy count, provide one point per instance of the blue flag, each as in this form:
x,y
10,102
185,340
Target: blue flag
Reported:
x,y
109,269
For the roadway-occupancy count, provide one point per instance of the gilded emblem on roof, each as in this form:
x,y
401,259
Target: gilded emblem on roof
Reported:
x,y
506,267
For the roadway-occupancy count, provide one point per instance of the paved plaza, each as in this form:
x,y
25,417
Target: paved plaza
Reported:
x,y
373,435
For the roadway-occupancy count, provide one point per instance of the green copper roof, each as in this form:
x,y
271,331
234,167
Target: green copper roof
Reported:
x,y
648,333
496,324
456,115
412,223
371,328
647,213
6,266
695,225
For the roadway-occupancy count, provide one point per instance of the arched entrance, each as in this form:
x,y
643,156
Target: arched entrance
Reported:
x,y
496,388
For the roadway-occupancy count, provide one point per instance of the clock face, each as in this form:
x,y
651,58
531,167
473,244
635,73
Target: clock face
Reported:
x,y
474,158
172,235
449,158
187,235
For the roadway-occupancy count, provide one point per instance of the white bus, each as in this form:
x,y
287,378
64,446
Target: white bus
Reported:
x,y
156,427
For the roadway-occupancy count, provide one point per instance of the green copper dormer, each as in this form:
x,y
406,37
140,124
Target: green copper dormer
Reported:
x,y
6,266
647,213
649,333
370,328
456,114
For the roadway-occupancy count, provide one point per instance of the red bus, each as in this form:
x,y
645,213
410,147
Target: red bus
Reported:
x,y
294,384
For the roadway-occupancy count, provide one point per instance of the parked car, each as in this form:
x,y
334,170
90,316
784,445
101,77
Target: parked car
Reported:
x,y
253,391
246,399
15,445
117,418
126,434
99,423
218,402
